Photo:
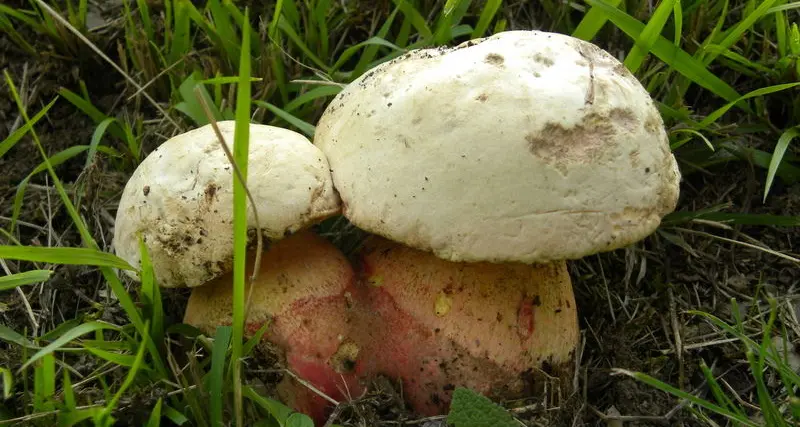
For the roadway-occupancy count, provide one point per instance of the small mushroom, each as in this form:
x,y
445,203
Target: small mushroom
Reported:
x,y
487,166
180,200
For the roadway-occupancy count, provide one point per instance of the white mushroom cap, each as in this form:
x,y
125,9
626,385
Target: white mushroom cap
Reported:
x,y
180,199
525,146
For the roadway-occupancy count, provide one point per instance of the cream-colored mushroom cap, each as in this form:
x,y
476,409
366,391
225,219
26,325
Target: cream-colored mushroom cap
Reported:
x,y
180,199
525,146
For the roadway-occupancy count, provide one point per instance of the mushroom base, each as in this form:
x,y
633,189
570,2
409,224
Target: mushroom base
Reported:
x,y
508,331
301,292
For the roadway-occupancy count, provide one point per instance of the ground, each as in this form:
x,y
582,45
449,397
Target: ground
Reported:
x,y
632,303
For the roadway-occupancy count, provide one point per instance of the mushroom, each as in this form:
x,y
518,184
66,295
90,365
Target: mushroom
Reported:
x,y
484,168
302,291
179,200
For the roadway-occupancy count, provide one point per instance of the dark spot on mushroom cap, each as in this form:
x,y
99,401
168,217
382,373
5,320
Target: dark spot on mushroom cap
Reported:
x,y
210,192
585,142
544,60
146,190
495,59
482,97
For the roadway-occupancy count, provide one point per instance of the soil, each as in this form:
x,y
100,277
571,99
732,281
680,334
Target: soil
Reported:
x,y
629,301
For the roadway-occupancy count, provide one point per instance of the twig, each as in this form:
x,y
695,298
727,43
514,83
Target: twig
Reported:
x,y
311,387
677,333
158,76
767,250
320,82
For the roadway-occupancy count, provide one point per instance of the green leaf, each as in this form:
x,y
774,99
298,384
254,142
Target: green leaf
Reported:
x,y
98,134
68,256
592,22
471,409
155,415
217,375
151,294
9,335
12,139
714,116
777,156
66,338
299,420
126,360
105,416
22,279
175,416
305,127
90,110
649,35
277,409
416,18
487,15
255,339
311,95
8,382
55,160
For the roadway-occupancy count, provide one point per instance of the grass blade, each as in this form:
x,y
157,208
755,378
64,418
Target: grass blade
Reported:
x,y
487,16
777,157
240,153
9,335
67,256
714,116
105,416
69,336
126,360
12,139
304,127
593,22
649,35
673,56
96,137
416,19
686,396
155,415
8,382
151,294
311,95
217,375
22,279
745,24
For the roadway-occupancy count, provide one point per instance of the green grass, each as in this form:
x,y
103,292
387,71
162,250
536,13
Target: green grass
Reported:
x,y
763,358
201,64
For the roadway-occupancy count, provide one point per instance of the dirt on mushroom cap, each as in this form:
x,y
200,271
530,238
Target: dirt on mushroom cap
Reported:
x,y
525,146
180,199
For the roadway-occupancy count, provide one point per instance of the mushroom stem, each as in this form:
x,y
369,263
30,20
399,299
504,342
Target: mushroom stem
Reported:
x,y
503,330
302,292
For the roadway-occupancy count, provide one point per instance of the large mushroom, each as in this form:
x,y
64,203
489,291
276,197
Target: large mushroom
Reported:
x,y
484,168
179,200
